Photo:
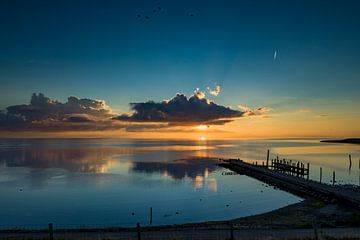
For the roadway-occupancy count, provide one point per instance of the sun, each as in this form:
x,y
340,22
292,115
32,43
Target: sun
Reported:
x,y
202,138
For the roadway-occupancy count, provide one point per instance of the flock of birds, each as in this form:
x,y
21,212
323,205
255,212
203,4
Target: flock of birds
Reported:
x,y
160,9
155,11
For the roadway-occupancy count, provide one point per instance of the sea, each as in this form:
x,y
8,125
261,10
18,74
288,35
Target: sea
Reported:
x,y
92,183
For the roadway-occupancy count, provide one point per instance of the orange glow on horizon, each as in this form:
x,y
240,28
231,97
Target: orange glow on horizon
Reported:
x,y
279,125
202,127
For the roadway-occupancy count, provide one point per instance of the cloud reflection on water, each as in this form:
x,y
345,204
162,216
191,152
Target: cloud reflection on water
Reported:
x,y
48,164
94,160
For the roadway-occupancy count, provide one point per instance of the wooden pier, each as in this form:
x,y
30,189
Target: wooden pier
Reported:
x,y
291,178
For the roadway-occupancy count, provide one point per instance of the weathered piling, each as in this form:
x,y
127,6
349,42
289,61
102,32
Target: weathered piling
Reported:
x,y
138,231
231,230
288,167
308,171
151,215
51,231
320,174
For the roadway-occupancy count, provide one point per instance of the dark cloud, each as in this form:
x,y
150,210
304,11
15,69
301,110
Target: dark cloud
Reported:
x,y
42,107
78,119
181,110
46,114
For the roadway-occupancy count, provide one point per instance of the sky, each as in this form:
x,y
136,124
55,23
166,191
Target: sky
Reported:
x,y
248,69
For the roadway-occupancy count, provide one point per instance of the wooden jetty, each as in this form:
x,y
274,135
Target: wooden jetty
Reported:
x,y
290,178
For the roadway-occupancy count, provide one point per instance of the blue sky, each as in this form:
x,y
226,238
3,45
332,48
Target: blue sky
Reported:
x,y
102,50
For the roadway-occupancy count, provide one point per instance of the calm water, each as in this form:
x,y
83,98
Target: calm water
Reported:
x,y
73,182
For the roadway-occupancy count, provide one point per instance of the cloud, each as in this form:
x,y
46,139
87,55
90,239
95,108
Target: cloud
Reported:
x,y
79,118
46,114
199,94
181,111
303,110
42,107
215,91
256,111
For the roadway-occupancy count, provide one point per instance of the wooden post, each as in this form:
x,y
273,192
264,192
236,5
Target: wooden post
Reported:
x,y
333,178
297,168
51,231
308,170
350,163
320,174
316,235
267,158
231,231
138,231
150,215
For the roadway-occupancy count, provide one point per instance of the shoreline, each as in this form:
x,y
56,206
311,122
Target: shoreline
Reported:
x,y
301,215
347,140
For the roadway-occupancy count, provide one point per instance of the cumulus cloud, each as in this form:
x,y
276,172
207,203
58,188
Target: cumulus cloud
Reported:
x,y
181,110
215,91
48,115
199,94
43,113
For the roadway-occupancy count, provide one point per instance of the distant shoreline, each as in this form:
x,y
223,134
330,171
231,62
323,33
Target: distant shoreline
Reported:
x,y
347,140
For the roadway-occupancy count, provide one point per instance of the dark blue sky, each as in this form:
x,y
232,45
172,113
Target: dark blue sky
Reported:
x,y
101,49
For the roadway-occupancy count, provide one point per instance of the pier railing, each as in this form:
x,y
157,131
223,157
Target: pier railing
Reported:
x,y
290,167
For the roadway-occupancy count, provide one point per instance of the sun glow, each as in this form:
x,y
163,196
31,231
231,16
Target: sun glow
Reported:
x,y
202,138
202,127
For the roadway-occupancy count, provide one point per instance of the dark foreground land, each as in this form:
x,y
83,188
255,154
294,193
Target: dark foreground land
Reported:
x,y
348,140
309,219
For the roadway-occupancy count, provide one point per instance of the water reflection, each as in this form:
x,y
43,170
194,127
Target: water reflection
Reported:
x,y
195,169
178,169
106,160
103,181
95,160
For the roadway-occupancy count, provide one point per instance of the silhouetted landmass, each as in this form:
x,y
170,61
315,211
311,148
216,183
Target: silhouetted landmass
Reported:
x,y
347,140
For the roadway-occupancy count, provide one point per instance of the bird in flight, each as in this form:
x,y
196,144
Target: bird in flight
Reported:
x,y
154,11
